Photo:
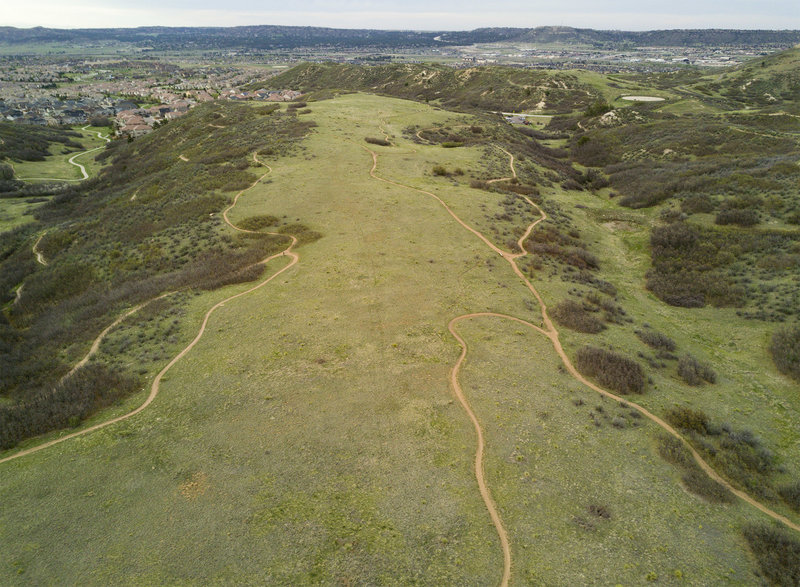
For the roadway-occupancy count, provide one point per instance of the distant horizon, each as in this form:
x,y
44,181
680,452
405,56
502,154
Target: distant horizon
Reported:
x,y
413,15
390,29
416,30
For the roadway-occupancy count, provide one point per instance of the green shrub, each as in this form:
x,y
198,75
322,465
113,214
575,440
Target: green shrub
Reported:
x,y
785,350
694,478
258,222
452,144
745,217
611,369
777,553
440,170
575,316
66,404
791,495
687,419
698,203
656,340
694,372
375,141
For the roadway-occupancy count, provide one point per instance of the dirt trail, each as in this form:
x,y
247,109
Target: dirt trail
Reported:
x,y
183,157
71,161
549,330
486,495
155,387
511,164
39,257
97,341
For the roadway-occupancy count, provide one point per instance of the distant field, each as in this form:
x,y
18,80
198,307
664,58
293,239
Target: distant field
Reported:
x,y
312,437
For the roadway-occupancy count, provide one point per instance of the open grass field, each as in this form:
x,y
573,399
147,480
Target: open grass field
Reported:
x,y
312,435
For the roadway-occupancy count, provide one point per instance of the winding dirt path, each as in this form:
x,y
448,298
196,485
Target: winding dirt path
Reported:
x,y
71,161
510,163
39,256
486,495
549,330
155,387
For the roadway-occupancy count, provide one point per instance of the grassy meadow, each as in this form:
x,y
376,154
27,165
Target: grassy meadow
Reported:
x,y
311,436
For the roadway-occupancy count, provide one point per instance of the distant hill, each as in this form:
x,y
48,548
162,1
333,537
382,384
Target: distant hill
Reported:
x,y
484,88
771,80
246,37
661,38
286,37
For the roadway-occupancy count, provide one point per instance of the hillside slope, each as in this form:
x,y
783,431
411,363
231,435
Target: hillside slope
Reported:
x,y
484,88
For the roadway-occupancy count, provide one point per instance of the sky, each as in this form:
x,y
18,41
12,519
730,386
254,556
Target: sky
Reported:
x,y
406,14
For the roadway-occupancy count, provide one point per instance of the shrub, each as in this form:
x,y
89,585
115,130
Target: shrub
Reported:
x,y
598,107
374,141
694,372
701,484
656,340
695,479
687,419
576,317
777,553
66,404
452,144
440,170
697,203
258,222
791,495
611,369
785,350
746,217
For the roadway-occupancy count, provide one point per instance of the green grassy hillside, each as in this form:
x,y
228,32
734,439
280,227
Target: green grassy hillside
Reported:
x,y
484,88
323,428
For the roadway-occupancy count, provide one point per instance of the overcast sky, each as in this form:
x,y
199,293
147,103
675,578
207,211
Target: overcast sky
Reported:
x,y
406,14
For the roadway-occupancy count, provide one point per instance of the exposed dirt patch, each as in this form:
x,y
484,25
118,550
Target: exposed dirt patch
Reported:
x,y
619,226
194,487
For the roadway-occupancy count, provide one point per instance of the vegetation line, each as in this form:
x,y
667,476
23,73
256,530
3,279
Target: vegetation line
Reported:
x,y
155,387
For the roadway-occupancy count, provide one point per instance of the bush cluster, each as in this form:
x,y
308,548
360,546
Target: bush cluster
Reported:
x,y
376,141
694,478
577,317
777,553
688,419
694,372
611,369
656,340
785,350
66,404
746,217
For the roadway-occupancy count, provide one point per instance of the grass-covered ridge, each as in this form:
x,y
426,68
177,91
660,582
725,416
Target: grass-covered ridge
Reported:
x,y
149,223
485,88
312,435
